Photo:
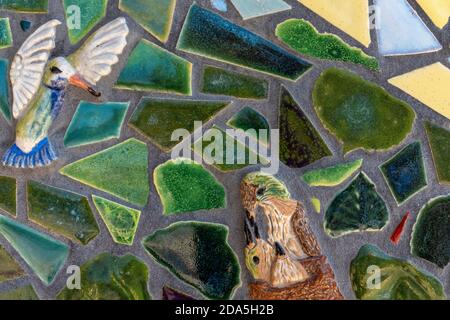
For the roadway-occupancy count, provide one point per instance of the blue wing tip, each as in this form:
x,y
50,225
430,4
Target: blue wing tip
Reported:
x,y
42,155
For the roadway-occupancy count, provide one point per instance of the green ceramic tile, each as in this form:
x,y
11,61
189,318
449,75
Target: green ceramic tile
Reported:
x,y
91,13
198,254
8,195
316,204
400,280
6,39
155,16
431,233
439,139
26,293
185,186
9,268
44,254
61,212
357,208
157,119
300,143
121,170
360,113
109,277
152,68
31,6
4,90
25,25
252,122
209,35
405,173
332,176
215,152
301,36
249,9
222,82
94,123
122,222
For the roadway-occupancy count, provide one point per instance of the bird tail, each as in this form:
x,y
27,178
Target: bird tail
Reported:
x,y
42,155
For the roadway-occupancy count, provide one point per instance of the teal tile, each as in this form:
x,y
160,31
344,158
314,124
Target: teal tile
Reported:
x,y
43,254
6,39
93,123
31,6
4,90
151,68
249,9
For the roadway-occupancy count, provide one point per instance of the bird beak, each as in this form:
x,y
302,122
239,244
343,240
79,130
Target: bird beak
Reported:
x,y
77,81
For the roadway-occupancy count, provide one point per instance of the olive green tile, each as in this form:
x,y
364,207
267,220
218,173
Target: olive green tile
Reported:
x,y
121,221
197,253
222,82
26,293
110,277
185,186
152,68
332,176
61,212
121,170
439,139
399,279
91,13
360,113
251,121
31,6
157,119
8,195
155,16
9,268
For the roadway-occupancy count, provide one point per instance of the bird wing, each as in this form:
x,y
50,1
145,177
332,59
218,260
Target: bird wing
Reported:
x,y
28,65
100,52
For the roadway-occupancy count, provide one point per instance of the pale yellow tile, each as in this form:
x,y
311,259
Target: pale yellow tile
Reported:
x,y
430,85
437,10
351,16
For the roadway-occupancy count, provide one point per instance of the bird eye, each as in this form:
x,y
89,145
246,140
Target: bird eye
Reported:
x,y
55,70
260,191
256,260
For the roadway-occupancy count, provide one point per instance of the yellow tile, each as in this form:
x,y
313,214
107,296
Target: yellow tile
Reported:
x,y
437,10
351,16
430,85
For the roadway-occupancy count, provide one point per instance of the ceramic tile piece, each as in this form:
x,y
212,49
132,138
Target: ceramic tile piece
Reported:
x,y
91,13
316,204
431,232
9,268
5,109
352,17
110,277
439,139
401,279
220,5
44,254
171,294
301,36
429,85
31,6
360,113
437,10
26,293
332,176
8,195
185,186
215,152
122,222
357,208
62,212
396,236
94,123
25,25
121,170
249,9
401,31
209,35
222,82
151,68
251,121
405,173
300,143
157,119
155,16
197,253
6,39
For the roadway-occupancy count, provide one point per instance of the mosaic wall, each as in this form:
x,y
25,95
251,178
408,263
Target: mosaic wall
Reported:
x,y
355,95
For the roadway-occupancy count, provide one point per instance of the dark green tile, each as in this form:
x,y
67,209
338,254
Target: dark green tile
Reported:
x,y
251,121
439,139
9,268
8,195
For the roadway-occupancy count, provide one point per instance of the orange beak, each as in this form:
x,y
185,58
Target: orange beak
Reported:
x,y
77,81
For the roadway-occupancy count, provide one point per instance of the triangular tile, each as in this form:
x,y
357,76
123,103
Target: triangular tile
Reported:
x,y
249,9
439,139
437,10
